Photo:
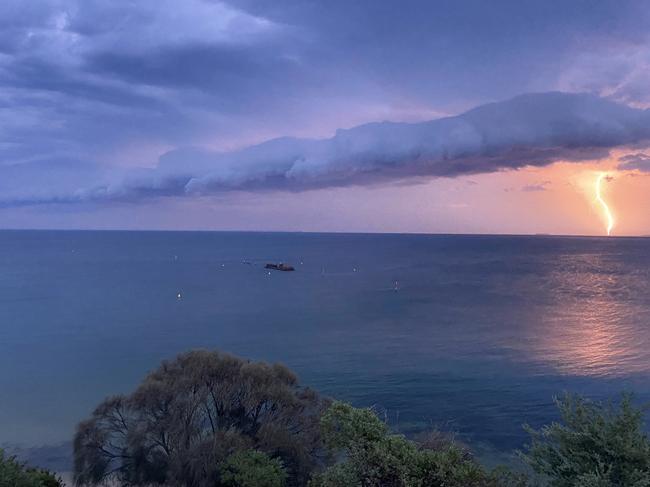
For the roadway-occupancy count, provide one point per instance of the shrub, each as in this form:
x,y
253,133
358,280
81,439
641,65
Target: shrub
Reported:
x,y
16,474
372,456
595,445
252,468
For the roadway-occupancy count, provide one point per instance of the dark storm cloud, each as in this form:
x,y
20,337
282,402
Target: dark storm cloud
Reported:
x,y
468,49
226,77
42,75
102,74
535,129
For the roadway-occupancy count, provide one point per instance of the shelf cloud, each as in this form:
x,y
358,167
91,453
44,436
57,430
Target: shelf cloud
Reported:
x,y
528,130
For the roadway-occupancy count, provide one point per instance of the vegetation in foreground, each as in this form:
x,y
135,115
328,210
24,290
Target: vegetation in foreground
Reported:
x,y
373,456
16,474
595,445
211,419
196,414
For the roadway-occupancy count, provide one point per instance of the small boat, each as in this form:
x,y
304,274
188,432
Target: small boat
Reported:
x,y
280,267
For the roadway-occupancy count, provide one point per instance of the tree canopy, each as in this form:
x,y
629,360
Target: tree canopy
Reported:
x,y
192,414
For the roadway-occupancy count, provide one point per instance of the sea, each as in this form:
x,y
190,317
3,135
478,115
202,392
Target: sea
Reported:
x,y
474,335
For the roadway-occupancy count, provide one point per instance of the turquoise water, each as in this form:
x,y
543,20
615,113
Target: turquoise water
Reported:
x,y
470,333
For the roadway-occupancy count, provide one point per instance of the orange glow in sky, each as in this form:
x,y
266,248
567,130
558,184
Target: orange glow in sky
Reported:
x,y
559,199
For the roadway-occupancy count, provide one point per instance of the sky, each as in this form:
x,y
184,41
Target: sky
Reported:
x,y
459,116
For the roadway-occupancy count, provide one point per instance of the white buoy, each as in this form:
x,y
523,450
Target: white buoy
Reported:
x,y
179,296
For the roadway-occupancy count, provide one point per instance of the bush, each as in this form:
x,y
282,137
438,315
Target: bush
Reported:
x,y
595,445
16,474
252,468
372,456
193,413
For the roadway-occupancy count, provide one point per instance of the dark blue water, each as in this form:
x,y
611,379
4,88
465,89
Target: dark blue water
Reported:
x,y
470,333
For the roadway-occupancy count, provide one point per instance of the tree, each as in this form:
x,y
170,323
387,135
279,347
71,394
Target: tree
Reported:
x,y
595,445
373,457
193,413
16,474
252,468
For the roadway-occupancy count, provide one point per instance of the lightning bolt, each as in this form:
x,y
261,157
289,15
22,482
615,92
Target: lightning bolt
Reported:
x,y
599,197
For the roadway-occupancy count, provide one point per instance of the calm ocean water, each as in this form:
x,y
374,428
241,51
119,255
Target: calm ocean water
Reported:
x,y
474,334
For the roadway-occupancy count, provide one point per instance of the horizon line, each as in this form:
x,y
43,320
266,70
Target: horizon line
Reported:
x,y
334,232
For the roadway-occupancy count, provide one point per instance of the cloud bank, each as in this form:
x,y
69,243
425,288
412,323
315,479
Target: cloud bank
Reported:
x,y
528,130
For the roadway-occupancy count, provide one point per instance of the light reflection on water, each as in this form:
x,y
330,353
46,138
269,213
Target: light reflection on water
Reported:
x,y
591,326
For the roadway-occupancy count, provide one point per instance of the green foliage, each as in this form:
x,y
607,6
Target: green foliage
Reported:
x,y
504,477
375,457
251,468
16,474
595,445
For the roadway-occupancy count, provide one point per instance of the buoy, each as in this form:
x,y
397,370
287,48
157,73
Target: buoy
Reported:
x,y
178,296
